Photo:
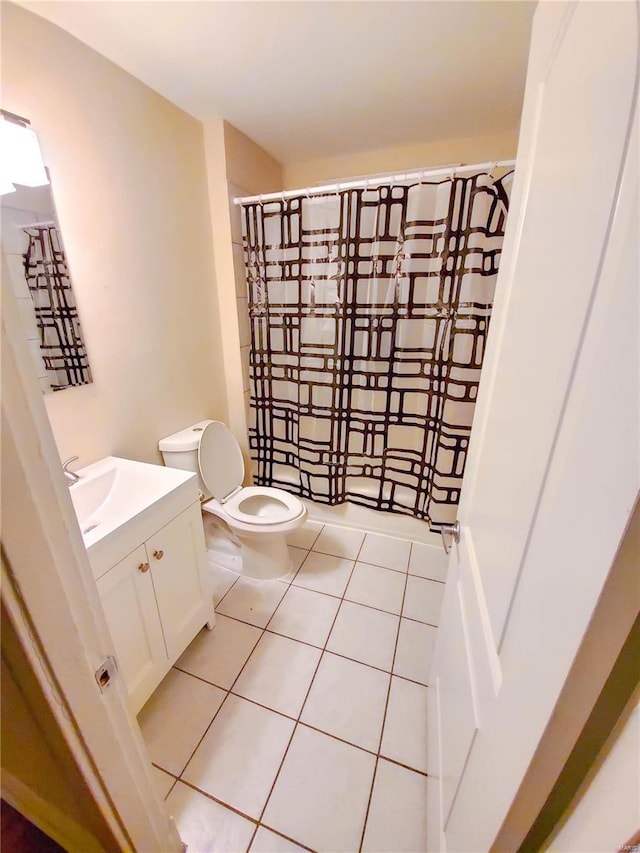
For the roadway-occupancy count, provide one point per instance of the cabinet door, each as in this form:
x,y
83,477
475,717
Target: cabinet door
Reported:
x,y
129,604
178,566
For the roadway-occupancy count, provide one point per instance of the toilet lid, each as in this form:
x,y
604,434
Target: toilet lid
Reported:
x,y
220,461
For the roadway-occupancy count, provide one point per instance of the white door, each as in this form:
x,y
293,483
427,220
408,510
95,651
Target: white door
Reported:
x,y
553,471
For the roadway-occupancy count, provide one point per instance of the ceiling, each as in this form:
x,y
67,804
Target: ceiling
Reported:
x,y
310,79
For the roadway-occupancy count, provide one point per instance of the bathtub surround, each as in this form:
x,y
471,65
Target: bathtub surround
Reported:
x,y
369,313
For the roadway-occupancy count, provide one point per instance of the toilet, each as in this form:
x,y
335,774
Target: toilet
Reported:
x,y
245,527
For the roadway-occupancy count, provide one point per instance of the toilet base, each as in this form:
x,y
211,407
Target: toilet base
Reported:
x,y
221,560
265,556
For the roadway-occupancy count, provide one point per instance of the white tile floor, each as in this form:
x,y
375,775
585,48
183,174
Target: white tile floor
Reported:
x,y
299,722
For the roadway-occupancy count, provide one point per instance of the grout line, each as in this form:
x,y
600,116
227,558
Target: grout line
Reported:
x,y
200,678
315,672
202,738
423,578
229,691
386,708
298,721
298,570
322,527
404,766
336,737
285,583
332,595
296,718
164,770
315,539
366,532
168,773
282,835
218,801
327,595
329,651
220,708
378,566
285,589
215,606
175,779
420,622
279,580
343,556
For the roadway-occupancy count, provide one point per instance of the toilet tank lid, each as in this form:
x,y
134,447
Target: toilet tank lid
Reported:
x,y
185,439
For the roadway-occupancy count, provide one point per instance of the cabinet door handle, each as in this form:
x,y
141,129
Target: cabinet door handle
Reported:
x,y
143,567
158,554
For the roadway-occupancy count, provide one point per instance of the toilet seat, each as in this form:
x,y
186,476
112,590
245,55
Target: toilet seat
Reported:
x,y
255,526
263,505
222,471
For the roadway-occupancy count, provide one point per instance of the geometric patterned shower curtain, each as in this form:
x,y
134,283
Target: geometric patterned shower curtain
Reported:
x,y
47,275
369,313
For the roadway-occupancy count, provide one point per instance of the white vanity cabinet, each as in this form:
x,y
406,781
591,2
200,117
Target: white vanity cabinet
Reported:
x,y
156,600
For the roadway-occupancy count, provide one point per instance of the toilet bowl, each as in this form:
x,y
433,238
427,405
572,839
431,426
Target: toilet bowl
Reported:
x,y
254,519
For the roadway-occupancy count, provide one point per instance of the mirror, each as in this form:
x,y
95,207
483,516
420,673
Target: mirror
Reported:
x,y
38,272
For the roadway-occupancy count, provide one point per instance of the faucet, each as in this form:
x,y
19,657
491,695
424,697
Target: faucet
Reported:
x,y
71,476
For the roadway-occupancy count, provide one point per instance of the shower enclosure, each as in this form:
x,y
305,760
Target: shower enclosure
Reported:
x,y
369,312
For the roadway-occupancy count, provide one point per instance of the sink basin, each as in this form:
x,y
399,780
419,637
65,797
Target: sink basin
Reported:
x,y
119,503
89,494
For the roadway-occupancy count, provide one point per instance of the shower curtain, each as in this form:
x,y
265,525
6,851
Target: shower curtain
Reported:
x,y
369,313
47,276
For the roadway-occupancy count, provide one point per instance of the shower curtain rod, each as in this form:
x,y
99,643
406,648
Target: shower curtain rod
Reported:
x,y
32,225
374,181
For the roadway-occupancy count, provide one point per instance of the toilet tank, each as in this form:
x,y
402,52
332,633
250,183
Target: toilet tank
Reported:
x,y
180,450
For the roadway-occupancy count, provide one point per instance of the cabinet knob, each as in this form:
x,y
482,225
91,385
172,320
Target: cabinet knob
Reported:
x,y
143,567
158,554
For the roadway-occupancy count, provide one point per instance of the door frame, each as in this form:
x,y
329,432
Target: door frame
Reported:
x,y
57,617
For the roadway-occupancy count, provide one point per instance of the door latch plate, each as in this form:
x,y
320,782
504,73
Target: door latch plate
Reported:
x,y
106,673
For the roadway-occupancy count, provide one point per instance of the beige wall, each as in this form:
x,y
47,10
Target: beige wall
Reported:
x,y
128,174
236,166
142,192
478,149
248,165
